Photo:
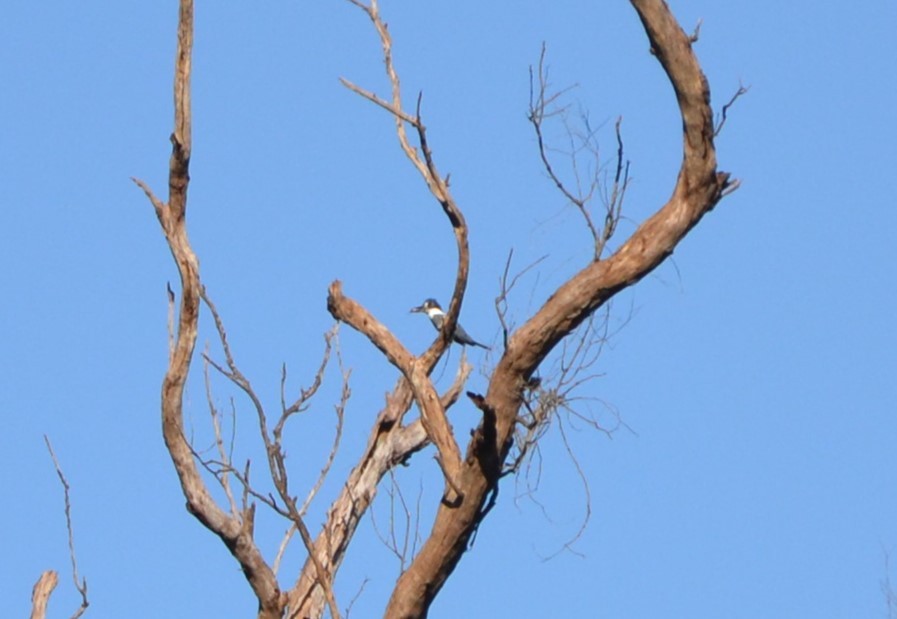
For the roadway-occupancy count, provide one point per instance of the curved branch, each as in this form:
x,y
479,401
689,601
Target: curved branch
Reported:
x,y
426,166
389,444
416,372
697,190
235,533
40,593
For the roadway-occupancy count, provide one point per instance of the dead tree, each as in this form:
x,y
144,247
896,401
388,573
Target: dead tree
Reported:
x,y
471,476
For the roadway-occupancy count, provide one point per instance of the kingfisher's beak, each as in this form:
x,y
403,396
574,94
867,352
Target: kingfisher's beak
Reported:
x,y
419,308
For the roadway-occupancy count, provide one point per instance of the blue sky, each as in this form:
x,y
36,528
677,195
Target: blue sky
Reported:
x,y
754,371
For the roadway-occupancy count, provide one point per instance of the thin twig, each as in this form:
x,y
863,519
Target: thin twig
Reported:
x,y
505,288
219,441
340,409
695,35
542,106
539,102
80,583
614,202
742,90
287,536
355,597
274,451
568,545
373,98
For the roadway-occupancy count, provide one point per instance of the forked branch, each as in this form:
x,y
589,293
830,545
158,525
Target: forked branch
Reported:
x,y
698,188
474,477
423,161
273,442
724,114
543,106
235,532
415,372
390,443
43,588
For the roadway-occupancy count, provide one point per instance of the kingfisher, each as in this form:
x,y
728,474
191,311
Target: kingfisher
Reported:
x,y
431,308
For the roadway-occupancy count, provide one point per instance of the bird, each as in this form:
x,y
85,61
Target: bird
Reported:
x,y
437,316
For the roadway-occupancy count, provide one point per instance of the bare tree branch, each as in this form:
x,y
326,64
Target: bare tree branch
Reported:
x,y
40,594
698,188
415,372
538,112
425,165
236,533
742,90
541,108
389,445
224,455
386,105
355,597
403,550
324,552
545,396
472,479
281,550
274,445
568,544
340,409
506,285
613,202
80,583
696,33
